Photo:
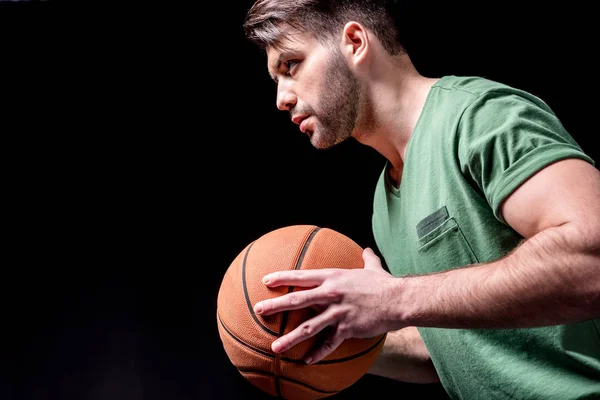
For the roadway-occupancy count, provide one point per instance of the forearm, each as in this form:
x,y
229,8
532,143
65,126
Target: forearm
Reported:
x,y
405,358
551,278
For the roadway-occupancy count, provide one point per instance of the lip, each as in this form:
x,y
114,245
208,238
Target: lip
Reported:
x,y
303,125
299,118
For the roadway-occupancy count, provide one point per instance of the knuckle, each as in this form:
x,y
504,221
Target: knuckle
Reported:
x,y
335,273
294,299
306,330
333,295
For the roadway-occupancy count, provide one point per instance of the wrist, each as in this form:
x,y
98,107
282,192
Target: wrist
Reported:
x,y
402,308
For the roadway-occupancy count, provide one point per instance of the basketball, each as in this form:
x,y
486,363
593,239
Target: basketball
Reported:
x,y
247,337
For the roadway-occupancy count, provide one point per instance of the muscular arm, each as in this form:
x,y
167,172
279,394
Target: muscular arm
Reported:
x,y
553,277
405,358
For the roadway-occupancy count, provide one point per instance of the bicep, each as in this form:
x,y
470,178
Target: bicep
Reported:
x,y
565,192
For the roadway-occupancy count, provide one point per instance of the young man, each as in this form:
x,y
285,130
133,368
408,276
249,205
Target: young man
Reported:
x,y
487,213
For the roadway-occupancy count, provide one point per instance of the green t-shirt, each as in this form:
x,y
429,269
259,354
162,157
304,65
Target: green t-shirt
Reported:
x,y
474,143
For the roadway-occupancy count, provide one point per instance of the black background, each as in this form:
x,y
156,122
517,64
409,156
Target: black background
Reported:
x,y
143,150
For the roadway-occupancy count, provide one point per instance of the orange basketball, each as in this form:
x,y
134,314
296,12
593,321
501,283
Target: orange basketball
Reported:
x,y
247,337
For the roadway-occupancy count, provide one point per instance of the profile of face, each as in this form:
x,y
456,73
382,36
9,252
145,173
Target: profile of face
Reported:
x,y
317,88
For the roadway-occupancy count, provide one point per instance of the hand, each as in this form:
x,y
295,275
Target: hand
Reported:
x,y
356,303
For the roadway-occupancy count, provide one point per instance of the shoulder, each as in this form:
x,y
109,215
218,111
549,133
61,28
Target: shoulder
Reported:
x,y
478,91
486,104
475,85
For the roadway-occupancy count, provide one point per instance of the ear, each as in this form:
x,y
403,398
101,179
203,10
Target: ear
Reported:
x,y
355,43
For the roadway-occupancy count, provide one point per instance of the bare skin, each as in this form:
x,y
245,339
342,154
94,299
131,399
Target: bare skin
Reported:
x,y
557,211
405,358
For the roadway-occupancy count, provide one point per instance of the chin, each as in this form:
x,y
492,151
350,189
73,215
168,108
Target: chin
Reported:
x,y
320,144
326,139
314,140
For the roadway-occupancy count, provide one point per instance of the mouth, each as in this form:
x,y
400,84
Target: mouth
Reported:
x,y
303,124
299,119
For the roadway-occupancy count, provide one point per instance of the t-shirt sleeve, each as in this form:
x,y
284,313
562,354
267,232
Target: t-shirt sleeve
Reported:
x,y
506,137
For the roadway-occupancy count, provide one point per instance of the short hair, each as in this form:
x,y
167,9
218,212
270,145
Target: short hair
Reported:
x,y
267,21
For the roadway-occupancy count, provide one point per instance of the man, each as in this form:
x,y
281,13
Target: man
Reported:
x,y
487,213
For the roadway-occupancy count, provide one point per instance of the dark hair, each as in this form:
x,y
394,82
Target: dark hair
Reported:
x,y
267,21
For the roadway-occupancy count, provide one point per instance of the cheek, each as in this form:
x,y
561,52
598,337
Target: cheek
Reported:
x,y
313,84
316,92
311,87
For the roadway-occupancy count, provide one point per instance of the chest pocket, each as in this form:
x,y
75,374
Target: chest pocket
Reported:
x,y
441,244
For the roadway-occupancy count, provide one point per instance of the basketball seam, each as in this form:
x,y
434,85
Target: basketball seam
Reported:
x,y
279,360
247,296
297,267
296,361
257,372
353,356
284,318
259,351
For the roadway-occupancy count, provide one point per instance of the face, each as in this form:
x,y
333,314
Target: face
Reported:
x,y
315,85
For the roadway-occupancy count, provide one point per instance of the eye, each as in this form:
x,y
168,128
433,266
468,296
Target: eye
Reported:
x,y
290,66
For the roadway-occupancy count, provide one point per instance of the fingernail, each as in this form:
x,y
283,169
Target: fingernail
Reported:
x,y
276,347
258,309
308,360
266,280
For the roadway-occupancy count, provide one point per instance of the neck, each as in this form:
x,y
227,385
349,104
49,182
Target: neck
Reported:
x,y
394,96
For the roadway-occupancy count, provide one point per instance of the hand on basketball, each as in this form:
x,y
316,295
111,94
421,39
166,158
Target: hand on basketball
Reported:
x,y
356,303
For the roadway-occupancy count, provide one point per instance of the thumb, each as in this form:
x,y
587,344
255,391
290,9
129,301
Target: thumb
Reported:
x,y
371,259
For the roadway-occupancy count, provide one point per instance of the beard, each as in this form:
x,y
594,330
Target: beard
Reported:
x,y
337,109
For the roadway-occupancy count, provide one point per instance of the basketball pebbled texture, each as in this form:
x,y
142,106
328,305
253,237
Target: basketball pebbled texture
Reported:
x,y
247,337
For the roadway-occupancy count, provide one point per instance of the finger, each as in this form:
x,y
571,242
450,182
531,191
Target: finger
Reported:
x,y
306,330
296,300
372,261
301,278
332,342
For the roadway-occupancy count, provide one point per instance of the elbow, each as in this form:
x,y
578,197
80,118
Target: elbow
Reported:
x,y
584,235
580,242
588,238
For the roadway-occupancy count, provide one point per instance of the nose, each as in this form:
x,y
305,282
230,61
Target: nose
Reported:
x,y
286,99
